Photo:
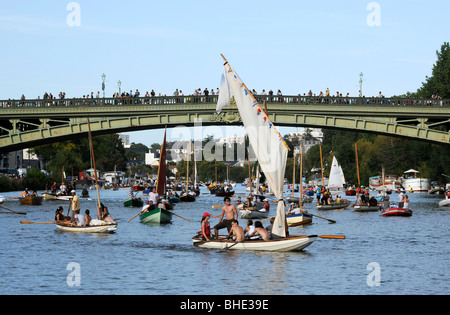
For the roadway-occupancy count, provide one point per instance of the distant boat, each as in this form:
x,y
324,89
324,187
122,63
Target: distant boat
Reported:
x,y
334,206
299,219
133,203
31,201
412,183
366,208
157,216
390,183
223,193
187,198
336,180
95,226
399,212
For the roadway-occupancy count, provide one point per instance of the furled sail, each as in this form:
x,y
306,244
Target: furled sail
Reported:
x,y
161,183
269,146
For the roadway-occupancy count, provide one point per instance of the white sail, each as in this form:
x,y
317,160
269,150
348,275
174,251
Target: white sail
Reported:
x,y
267,143
336,180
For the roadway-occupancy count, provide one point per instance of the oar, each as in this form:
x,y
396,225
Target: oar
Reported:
x,y
135,216
15,212
227,248
16,196
28,222
181,217
331,221
333,237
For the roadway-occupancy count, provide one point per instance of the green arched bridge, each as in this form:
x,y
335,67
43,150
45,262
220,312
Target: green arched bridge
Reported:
x,y
28,123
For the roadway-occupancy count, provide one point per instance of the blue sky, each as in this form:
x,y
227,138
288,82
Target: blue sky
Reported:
x,y
294,46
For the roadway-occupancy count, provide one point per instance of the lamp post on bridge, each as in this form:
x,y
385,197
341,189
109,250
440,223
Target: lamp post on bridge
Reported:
x,y
103,84
119,84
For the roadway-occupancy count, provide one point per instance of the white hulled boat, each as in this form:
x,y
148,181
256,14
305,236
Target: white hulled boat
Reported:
x,y
271,151
412,183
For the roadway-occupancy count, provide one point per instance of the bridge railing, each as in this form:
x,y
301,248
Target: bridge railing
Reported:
x,y
211,99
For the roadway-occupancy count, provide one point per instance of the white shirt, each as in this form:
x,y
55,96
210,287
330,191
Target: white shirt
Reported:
x,y
153,197
80,219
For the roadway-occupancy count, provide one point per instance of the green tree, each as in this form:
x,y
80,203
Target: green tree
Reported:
x,y
439,82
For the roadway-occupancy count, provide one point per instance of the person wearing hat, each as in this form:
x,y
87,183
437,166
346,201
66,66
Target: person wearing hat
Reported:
x,y
74,204
206,227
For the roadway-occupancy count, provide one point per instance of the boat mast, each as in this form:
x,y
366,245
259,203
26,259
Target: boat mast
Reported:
x,y
161,180
301,179
95,169
321,166
293,178
357,164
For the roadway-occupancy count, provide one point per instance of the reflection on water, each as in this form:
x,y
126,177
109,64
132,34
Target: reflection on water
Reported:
x,y
153,259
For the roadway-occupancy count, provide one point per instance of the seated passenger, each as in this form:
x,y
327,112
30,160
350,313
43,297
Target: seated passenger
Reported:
x,y
261,231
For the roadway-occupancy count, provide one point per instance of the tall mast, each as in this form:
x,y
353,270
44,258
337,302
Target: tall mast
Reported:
x,y
95,170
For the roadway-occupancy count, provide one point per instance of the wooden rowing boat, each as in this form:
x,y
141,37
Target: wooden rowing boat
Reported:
x,y
31,201
334,206
289,244
95,227
253,214
366,208
133,203
158,216
299,219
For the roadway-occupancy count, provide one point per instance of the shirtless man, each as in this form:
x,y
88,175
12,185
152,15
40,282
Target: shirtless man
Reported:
x,y
231,214
237,231
261,231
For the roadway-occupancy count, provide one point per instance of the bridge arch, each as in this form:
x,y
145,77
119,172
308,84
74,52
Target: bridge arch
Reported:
x,y
25,124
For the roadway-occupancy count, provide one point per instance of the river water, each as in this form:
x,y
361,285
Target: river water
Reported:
x,y
381,255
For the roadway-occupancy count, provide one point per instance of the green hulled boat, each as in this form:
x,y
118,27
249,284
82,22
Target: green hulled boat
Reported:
x,y
134,203
158,216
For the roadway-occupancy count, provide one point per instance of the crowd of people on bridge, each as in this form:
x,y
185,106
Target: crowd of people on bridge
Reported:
x,y
178,92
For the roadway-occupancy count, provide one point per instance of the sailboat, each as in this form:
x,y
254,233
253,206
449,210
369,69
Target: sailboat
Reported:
x,y
335,186
336,180
271,151
158,215
96,226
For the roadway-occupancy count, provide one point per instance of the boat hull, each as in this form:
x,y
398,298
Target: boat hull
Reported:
x,y
397,212
255,214
104,228
133,203
390,183
291,244
31,201
187,198
298,219
333,206
444,203
221,193
366,208
419,185
158,216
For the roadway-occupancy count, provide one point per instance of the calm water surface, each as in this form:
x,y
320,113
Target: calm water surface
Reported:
x,y
412,253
